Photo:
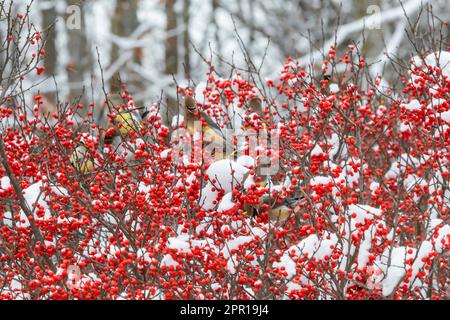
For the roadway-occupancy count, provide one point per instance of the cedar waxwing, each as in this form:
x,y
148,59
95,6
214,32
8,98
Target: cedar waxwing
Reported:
x,y
124,121
211,132
127,122
255,105
255,120
122,125
82,160
279,209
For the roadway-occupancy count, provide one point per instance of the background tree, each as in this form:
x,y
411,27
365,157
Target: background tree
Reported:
x,y
49,16
171,52
80,61
124,23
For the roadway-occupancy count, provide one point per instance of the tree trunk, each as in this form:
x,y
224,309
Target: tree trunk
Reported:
x,y
373,34
124,23
171,54
215,7
186,39
50,60
171,38
80,59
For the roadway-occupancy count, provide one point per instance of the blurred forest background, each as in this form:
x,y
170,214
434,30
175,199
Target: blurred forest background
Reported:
x,y
149,43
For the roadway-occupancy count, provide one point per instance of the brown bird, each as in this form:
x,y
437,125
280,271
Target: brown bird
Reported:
x,y
256,118
255,105
279,209
211,132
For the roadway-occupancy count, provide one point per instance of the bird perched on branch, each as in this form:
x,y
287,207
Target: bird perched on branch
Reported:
x,y
255,105
211,132
124,124
279,208
125,119
127,122
82,159
255,120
